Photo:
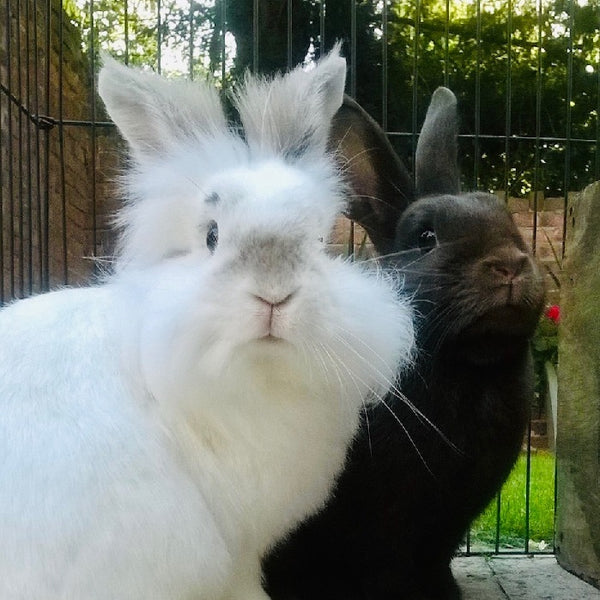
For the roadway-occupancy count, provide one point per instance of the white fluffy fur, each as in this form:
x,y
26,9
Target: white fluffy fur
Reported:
x,y
154,443
285,116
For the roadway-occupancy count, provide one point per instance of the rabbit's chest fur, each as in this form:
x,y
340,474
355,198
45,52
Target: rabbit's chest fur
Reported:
x,y
279,438
97,484
89,490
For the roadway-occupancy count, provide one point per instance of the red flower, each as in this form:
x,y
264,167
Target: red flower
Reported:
x,y
553,313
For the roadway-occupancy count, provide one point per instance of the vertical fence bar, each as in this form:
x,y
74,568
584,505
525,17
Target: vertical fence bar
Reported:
x,y
508,112
538,121
191,41
476,152
10,158
536,186
94,132
476,144
126,29
353,75
447,45
498,522
255,36
569,99
61,150
29,154
20,159
528,487
223,11
2,190
38,148
415,78
384,66
158,37
353,69
46,202
290,39
322,11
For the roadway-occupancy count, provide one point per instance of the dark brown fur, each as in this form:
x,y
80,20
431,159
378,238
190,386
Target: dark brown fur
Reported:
x,y
413,484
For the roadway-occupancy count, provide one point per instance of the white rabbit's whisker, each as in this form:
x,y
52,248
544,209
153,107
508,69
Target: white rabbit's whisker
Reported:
x,y
410,438
399,394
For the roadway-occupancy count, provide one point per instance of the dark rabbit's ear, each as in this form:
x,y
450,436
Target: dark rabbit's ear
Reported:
x,y
381,186
436,164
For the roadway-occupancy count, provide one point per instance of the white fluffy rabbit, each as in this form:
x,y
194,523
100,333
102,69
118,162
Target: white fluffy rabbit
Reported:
x,y
161,430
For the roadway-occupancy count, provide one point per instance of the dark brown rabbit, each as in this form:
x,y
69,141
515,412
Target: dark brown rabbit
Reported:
x,y
430,457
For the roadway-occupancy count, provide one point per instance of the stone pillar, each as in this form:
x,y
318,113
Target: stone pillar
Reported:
x,y
578,436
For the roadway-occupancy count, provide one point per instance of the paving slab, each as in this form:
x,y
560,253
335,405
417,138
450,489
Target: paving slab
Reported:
x,y
519,578
476,579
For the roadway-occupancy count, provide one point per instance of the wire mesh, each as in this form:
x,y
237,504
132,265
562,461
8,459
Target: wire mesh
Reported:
x,y
527,75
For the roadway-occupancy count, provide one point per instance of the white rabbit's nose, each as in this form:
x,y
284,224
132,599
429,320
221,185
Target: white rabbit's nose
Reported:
x,y
275,302
273,318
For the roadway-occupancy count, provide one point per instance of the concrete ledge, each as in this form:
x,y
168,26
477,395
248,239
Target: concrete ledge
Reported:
x,y
518,578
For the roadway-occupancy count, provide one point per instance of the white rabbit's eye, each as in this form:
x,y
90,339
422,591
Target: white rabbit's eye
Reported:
x,y
427,240
212,236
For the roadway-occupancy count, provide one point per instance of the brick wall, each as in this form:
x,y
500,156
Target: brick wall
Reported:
x,y
52,176
544,233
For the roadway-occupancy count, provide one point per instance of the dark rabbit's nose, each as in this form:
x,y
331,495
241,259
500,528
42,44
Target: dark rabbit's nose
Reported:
x,y
508,264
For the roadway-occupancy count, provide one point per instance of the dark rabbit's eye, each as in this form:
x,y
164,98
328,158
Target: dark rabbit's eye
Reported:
x,y
427,240
212,236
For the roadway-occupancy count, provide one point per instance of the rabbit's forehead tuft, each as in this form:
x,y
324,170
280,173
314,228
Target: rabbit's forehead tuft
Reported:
x,y
273,193
268,180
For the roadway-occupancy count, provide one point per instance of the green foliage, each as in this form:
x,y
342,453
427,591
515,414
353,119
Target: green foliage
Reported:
x,y
545,342
544,348
527,74
174,36
512,76
513,533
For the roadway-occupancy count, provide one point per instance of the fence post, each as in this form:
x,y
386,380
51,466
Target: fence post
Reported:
x,y
578,436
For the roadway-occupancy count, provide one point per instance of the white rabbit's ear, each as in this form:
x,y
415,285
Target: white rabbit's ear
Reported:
x,y
290,116
154,114
436,164
329,81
